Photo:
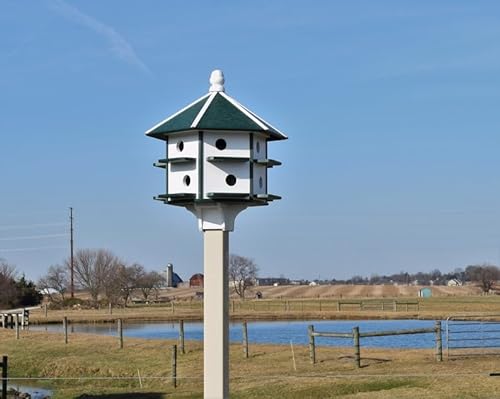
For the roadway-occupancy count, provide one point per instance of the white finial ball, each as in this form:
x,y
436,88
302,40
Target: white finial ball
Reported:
x,y
216,81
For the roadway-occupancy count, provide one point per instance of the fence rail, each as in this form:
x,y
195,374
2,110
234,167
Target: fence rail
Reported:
x,y
10,317
481,339
356,336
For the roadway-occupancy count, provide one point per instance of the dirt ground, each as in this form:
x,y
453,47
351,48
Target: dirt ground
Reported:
x,y
335,291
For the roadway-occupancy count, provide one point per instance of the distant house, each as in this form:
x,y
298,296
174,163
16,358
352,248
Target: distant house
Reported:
x,y
196,280
272,281
454,283
425,292
313,284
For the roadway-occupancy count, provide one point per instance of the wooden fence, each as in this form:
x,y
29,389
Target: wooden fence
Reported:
x,y
356,336
324,305
9,318
4,365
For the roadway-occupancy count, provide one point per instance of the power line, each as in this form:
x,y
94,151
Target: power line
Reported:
x,y
29,249
30,226
33,237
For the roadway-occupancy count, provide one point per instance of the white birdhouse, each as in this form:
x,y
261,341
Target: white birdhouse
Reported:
x,y
216,153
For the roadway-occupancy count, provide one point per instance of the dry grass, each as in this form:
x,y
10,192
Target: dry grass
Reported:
x,y
268,373
284,309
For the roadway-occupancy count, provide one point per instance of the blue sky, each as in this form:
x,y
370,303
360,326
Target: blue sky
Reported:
x,y
391,108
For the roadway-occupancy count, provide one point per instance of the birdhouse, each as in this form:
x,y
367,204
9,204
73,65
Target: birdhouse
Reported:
x,y
216,153
216,165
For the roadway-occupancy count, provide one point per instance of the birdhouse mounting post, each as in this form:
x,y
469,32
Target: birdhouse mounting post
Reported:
x,y
216,314
216,166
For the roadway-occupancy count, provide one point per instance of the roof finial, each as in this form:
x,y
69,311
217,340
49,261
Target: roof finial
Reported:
x,y
216,81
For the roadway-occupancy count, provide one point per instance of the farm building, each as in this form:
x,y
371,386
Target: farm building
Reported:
x,y
196,280
172,279
425,292
272,281
454,283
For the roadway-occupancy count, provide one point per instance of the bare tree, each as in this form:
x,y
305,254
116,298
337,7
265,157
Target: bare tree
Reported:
x,y
149,282
129,278
486,275
7,282
7,270
242,273
56,279
95,271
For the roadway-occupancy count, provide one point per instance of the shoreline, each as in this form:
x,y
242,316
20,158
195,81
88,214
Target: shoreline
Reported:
x,y
109,319
267,373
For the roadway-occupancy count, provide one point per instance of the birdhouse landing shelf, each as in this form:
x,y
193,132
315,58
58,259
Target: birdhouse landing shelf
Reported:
x,y
216,157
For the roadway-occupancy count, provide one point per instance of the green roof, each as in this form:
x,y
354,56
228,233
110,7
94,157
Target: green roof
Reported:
x,y
214,111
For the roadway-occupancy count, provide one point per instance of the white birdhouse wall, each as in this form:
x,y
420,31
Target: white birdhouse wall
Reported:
x,y
226,175
259,171
259,147
182,154
231,163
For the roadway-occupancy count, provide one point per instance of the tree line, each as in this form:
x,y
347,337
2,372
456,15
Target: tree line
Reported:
x,y
104,276
16,291
484,275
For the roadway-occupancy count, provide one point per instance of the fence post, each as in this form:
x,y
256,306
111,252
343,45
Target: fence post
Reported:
x,y
110,308
46,310
439,342
357,352
25,319
174,365
312,344
320,305
65,328
245,339
120,332
172,307
16,322
4,377
395,306
181,336
338,306
232,306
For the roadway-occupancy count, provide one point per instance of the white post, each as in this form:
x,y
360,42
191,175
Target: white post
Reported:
x,y
216,310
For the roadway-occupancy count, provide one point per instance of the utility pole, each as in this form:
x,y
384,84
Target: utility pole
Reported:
x,y
72,288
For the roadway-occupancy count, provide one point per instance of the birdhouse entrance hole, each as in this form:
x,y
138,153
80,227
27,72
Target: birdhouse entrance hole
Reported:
x,y
231,180
221,144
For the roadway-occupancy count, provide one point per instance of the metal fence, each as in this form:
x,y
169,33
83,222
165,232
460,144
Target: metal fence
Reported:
x,y
472,335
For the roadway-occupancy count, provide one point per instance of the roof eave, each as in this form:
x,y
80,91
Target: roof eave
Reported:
x,y
272,136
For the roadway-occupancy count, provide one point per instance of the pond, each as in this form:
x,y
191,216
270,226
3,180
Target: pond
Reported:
x,y
269,332
34,392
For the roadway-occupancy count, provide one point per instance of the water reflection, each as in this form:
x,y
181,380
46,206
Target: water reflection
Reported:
x,y
275,332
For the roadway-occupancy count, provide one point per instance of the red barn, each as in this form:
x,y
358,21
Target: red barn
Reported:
x,y
196,280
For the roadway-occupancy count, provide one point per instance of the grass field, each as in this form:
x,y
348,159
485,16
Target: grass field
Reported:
x,y
268,373
282,309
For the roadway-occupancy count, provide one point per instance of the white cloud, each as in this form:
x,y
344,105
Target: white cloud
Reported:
x,y
117,43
